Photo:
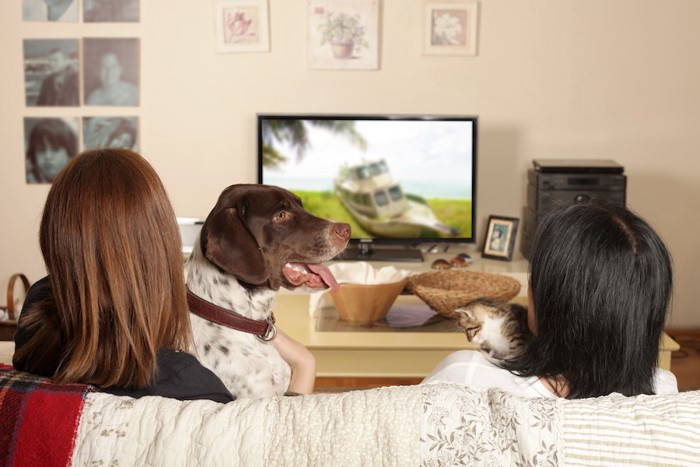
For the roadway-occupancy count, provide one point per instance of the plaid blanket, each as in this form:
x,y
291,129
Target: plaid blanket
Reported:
x,y
38,419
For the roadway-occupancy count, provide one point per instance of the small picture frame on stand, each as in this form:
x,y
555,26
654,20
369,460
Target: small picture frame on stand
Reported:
x,y
500,238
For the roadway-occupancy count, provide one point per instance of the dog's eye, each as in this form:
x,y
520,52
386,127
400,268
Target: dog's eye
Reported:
x,y
280,216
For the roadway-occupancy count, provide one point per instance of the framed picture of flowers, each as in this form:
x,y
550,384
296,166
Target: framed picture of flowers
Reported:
x,y
242,26
343,34
450,27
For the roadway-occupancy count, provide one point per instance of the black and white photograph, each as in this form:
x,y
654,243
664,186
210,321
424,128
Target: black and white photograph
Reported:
x,y
49,144
110,132
51,72
111,11
111,71
65,11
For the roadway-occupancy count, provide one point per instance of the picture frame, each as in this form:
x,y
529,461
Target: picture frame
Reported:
x,y
45,11
51,72
450,27
111,132
44,161
343,34
500,238
111,11
242,26
111,71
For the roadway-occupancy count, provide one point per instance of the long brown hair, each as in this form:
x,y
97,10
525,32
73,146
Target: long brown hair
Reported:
x,y
112,248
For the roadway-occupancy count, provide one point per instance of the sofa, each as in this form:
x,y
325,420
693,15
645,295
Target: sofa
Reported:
x,y
433,424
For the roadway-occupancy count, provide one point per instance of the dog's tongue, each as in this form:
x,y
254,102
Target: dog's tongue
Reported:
x,y
325,274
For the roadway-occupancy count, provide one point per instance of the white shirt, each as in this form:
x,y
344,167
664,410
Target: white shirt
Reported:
x,y
122,93
36,10
471,368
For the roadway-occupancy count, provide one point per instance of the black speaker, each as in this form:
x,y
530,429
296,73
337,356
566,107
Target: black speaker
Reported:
x,y
561,182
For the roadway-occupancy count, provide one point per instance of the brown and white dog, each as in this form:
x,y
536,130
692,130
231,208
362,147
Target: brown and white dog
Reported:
x,y
257,239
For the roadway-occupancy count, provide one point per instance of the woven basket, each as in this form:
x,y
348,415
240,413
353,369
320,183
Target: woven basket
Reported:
x,y
444,291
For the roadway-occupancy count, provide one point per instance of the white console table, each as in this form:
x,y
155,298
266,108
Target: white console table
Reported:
x,y
366,353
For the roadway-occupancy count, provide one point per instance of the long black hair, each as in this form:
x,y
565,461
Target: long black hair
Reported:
x,y
600,283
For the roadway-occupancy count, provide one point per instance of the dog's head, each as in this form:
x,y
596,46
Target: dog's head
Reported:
x,y
262,235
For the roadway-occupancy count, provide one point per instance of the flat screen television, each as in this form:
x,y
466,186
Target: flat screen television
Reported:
x,y
399,181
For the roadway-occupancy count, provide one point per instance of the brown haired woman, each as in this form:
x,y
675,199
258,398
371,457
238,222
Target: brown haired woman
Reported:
x,y
113,310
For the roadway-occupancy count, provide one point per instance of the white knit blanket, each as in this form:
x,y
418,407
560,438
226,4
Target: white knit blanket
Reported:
x,y
434,424
374,427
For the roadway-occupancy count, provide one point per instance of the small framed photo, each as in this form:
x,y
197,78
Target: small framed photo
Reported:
x,y
63,11
343,34
450,27
111,11
49,143
111,71
111,132
500,238
51,72
242,26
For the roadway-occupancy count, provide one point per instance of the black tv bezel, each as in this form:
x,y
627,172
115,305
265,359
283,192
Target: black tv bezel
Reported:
x,y
364,246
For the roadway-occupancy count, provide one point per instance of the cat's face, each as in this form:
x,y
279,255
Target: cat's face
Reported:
x,y
499,328
472,319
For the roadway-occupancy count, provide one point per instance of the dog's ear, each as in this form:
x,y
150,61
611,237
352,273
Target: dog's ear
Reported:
x,y
228,243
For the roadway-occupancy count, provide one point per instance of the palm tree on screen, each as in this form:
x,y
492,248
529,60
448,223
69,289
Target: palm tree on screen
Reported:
x,y
296,134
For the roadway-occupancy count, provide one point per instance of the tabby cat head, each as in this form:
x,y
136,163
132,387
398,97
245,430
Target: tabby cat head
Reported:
x,y
500,328
471,318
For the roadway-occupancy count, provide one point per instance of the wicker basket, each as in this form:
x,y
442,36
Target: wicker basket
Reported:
x,y
444,291
8,326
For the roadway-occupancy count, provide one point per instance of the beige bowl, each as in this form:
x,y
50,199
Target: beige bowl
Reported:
x,y
366,302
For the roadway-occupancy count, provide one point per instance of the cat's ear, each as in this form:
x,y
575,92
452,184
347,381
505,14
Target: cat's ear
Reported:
x,y
466,313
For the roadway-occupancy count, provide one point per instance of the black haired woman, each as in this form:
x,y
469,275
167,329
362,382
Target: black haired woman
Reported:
x,y
600,288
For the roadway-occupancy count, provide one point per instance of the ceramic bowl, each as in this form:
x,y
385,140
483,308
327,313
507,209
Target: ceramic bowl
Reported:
x,y
366,302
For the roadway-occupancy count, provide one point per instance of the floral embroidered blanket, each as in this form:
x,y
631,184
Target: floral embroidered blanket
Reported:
x,y
436,424
38,419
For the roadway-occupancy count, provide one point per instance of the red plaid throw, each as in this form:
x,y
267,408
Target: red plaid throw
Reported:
x,y
38,419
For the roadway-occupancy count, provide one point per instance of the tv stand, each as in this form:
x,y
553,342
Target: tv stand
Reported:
x,y
367,252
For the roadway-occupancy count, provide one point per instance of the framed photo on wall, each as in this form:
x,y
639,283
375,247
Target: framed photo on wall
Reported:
x,y
242,26
343,34
111,11
111,71
500,238
51,72
64,11
450,27
111,132
49,143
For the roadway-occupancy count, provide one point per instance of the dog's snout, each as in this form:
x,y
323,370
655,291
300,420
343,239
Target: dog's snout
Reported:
x,y
342,231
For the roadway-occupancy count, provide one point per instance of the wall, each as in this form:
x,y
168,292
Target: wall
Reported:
x,y
553,79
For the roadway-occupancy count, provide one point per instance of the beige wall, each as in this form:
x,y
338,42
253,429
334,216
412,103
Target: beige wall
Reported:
x,y
553,79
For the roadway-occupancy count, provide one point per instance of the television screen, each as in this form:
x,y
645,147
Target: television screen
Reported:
x,y
394,179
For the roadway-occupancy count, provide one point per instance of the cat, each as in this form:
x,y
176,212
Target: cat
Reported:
x,y
499,327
